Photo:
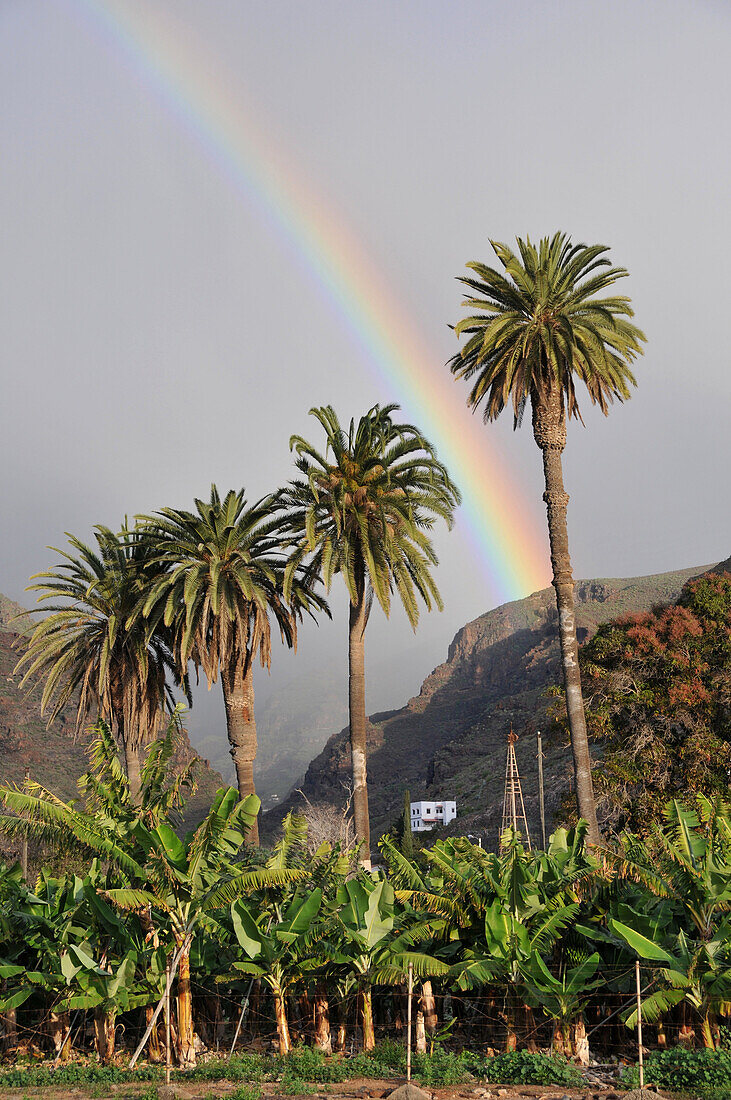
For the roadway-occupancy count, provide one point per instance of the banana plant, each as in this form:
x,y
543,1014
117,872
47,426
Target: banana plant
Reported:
x,y
696,971
687,866
372,941
279,948
54,928
504,908
180,883
563,999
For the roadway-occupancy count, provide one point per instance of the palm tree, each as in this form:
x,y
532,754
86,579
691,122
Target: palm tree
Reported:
x,y
220,577
539,328
365,509
89,650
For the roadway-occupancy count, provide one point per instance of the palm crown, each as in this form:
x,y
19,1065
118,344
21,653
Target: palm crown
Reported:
x,y
540,322
221,577
89,649
366,506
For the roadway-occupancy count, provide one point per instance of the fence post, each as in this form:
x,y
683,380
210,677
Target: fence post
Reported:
x,y
167,1021
408,1022
639,1025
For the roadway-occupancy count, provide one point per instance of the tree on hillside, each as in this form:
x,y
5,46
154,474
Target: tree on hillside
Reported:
x,y
89,650
365,509
541,326
658,689
220,577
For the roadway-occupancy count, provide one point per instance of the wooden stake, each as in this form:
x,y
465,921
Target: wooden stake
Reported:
x,y
168,982
242,1016
639,1025
540,789
408,1022
161,1003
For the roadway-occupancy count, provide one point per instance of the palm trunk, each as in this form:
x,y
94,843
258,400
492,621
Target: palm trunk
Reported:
x,y
580,1041
420,1031
59,1027
238,697
186,1045
358,725
10,1023
686,1034
549,430
707,1022
341,1034
10,1026
132,765
131,753
558,1040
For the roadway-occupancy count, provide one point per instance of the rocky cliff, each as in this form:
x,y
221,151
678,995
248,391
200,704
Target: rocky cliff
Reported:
x,y
449,740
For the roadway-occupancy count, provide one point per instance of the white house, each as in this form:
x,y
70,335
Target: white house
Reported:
x,y
425,815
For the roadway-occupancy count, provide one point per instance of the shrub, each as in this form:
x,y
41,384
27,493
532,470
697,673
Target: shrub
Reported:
x,y
388,1059
23,1077
308,1064
246,1092
242,1067
685,1070
440,1069
521,1067
292,1085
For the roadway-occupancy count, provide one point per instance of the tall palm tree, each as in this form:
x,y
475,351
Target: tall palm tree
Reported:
x,y
220,578
91,653
364,508
541,326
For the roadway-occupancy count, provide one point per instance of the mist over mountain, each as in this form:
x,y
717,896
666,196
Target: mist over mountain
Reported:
x,y
301,707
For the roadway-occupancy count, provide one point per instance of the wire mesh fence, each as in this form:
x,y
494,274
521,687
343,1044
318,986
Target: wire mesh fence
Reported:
x,y
487,1020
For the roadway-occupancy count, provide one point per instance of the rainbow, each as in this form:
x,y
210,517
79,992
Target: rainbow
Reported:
x,y
509,545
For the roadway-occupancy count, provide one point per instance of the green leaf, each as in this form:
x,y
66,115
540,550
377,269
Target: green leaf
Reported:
x,y
246,930
640,944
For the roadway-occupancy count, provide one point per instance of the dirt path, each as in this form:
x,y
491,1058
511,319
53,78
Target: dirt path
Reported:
x,y
349,1090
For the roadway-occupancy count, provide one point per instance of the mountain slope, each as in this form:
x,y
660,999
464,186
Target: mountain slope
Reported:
x,y
54,756
449,741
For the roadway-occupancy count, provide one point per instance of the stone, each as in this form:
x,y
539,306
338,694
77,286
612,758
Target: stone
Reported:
x,y
409,1091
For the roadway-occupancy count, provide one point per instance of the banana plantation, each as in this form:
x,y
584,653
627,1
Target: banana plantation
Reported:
x,y
296,947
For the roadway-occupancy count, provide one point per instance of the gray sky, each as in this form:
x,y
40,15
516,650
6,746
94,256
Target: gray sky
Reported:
x,y
158,335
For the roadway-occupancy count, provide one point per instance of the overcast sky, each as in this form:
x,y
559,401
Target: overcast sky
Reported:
x,y
157,334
